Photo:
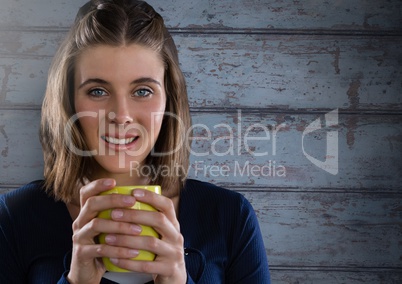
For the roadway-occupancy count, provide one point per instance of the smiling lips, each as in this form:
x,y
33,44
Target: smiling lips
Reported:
x,y
117,141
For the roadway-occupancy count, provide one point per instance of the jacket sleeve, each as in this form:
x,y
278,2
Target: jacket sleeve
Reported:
x,y
63,279
249,262
189,279
12,270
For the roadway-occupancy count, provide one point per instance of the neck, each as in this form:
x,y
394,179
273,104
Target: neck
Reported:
x,y
124,178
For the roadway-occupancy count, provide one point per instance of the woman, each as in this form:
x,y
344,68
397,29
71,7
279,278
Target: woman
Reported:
x,y
115,104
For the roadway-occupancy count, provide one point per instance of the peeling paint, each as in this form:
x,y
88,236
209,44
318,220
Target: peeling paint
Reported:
x,y
336,54
34,49
397,139
10,42
301,126
4,152
366,25
351,125
353,96
4,82
221,66
353,93
2,131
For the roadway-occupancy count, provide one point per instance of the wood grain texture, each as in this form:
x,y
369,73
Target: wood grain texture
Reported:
x,y
242,71
364,144
227,14
280,64
21,157
282,14
288,72
339,229
342,275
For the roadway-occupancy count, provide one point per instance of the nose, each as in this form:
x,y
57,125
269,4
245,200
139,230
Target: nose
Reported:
x,y
120,112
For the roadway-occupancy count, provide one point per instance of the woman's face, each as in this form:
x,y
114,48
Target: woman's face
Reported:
x,y
120,100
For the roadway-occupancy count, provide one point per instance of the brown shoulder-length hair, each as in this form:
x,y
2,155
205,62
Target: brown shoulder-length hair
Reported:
x,y
114,23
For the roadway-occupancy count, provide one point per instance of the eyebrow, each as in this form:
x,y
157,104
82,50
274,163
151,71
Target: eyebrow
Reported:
x,y
136,81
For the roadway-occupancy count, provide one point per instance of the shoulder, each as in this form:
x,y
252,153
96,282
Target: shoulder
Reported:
x,y
204,190
198,194
16,213
29,207
25,199
32,190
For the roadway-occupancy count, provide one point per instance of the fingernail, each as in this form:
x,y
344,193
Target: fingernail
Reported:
x,y
117,214
107,182
110,239
135,229
114,260
139,193
128,199
133,252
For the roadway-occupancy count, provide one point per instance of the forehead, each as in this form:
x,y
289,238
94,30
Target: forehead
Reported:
x,y
119,62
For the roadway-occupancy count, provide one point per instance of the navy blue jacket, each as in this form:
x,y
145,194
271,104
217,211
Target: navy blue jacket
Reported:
x,y
222,239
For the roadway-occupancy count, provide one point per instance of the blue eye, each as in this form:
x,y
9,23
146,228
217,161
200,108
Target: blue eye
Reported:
x,y
142,93
97,92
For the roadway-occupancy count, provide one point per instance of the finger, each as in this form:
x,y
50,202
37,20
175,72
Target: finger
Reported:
x,y
160,203
89,252
96,226
162,267
155,219
94,188
95,204
147,243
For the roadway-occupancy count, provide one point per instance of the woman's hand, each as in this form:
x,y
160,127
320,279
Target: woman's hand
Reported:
x,y
169,266
123,240
86,265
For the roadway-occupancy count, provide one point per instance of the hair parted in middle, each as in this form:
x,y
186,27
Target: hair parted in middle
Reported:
x,y
114,23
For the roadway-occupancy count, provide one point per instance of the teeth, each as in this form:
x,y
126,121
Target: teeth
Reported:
x,y
117,141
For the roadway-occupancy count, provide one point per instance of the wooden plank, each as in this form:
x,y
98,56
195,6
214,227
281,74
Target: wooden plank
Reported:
x,y
252,71
287,276
227,14
36,44
292,72
345,230
252,149
21,158
369,151
282,14
23,82
25,13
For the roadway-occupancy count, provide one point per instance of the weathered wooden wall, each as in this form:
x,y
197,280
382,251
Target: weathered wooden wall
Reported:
x,y
261,68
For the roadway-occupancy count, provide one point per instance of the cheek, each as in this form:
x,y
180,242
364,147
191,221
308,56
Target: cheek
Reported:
x,y
157,121
89,126
151,124
79,105
160,114
156,113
